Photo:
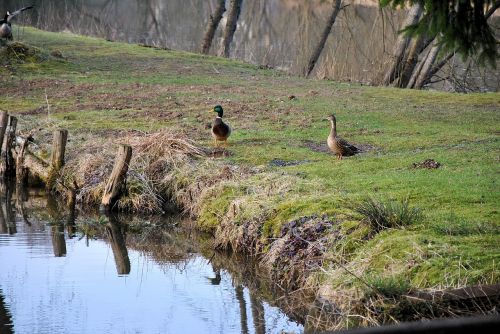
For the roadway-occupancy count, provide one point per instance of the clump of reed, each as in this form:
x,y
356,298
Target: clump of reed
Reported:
x,y
382,215
156,158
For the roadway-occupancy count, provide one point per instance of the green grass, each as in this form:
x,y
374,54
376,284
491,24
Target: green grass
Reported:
x,y
103,88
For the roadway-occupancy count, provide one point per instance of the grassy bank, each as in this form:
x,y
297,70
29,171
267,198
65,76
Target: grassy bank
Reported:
x,y
277,191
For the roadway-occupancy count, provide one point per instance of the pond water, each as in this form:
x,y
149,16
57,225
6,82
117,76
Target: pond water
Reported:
x,y
97,276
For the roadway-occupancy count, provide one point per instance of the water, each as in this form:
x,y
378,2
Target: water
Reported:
x,y
84,278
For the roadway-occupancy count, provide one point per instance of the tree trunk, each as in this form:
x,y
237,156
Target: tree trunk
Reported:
x,y
423,76
401,45
324,36
411,61
213,23
116,183
232,20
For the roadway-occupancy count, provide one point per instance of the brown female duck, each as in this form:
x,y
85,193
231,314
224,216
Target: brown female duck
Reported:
x,y
337,145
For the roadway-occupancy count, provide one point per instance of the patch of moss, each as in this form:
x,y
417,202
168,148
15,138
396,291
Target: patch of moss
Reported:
x,y
215,206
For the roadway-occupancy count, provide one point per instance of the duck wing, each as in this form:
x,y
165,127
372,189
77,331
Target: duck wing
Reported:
x,y
221,130
348,146
17,12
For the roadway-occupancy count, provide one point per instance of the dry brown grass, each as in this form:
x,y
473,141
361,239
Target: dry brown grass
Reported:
x,y
156,157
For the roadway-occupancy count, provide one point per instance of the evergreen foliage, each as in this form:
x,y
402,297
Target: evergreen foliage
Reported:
x,y
459,24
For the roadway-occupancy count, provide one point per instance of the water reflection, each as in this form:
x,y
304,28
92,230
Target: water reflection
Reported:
x,y
7,214
99,275
116,236
58,241
5,317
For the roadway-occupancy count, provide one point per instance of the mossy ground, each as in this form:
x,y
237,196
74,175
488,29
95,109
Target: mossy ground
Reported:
x,y
100,89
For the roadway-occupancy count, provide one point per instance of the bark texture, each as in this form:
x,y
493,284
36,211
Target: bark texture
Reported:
x,y
7,162
116,183
424,73
398,53
213,23
232,20
59,140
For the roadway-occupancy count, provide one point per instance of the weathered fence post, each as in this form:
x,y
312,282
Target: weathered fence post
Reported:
x,y
4,118
6,160
60,137
116,183
21,170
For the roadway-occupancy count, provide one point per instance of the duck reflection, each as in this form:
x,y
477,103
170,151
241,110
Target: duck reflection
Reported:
x,y
215,280
117,233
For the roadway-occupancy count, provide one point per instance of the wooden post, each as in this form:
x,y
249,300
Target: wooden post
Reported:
x,y
21,170
7,162
60,137
4,118
116,183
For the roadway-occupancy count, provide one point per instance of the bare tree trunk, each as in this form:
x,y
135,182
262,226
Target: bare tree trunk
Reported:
x,y
213,23
324,36
401,45
411,61
232,20
427,65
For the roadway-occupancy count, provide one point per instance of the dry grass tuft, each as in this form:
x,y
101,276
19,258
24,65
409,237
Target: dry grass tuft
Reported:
x,y
156,158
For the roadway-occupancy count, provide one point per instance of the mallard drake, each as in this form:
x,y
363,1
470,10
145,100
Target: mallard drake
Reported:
x,y
5,25
220,130
338,145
